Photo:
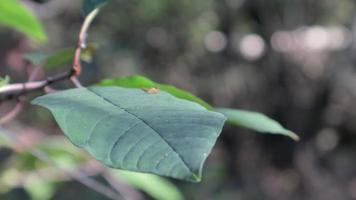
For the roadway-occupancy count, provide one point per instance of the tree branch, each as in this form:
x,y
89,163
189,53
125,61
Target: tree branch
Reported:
x,y
12,91
16,90
12,114
76,67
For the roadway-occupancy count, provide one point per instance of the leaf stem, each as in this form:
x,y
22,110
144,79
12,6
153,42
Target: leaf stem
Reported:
x,y
82,41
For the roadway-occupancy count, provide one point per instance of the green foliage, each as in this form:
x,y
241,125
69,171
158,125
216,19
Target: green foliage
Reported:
x,y
51,61
4,80
255,121
61,57
90,5
15,15
67,156
155,186
143,82
251,120
135,130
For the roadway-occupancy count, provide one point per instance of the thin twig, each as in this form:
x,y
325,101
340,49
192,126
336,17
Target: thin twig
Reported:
x,y
76,175
12,114
76,67
16,90
76,82
49,89
34,72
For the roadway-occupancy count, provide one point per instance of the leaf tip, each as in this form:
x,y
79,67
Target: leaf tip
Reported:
x,y
294,136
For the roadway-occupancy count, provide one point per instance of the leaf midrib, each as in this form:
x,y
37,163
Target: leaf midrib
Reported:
x,y
146,124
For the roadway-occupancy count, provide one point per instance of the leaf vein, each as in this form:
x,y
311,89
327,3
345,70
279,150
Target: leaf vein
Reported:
x,y
147,124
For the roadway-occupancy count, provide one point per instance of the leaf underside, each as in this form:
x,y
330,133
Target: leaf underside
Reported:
x,y
133,130
251,120
137,81
256,121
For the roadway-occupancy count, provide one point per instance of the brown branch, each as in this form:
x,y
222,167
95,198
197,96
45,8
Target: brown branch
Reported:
x,y
76,67
76,82
16,90
12,114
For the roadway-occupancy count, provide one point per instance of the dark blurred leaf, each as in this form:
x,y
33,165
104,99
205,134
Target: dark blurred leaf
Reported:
x,y
255,121
90,5
51,61
40,1
134,130
36,58
15,15
157,187
145,83
60,57
16,194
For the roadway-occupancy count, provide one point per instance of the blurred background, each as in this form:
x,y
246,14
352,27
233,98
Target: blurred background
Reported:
x,y
290,59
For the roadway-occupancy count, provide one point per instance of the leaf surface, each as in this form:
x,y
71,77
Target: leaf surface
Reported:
x,y
133,130
137,81
255,121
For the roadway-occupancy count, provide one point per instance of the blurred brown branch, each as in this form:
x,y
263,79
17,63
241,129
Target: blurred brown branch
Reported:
x,y
76,175
13,91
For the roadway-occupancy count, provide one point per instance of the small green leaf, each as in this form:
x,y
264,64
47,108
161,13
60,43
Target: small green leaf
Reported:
x,y
133,130
255,121
4,80
36,58
143,82
157,187
15,15
90,5
52,60
60,57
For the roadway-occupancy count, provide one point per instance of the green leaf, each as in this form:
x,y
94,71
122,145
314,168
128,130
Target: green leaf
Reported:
x,y
60,57
36,58
51,61
157,187
255,121
90,5
4,80
133,130
143,82
15,15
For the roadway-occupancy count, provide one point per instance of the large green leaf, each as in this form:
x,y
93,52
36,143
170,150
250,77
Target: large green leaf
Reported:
x,y
255,121
251,120
15,15
90,5
138,131
137,81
